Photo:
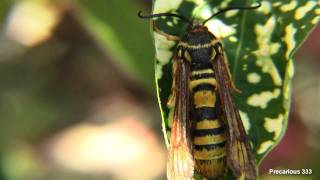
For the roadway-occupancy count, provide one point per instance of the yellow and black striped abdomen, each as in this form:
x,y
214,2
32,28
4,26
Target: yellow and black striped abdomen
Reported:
x,y
209,139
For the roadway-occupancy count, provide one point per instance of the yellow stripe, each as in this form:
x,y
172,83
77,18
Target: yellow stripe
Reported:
x,y
209,139
204,99
203,71
205,154
195,83
198,46
208,124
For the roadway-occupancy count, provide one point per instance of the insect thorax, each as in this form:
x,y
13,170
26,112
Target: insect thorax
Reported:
x,y
198,46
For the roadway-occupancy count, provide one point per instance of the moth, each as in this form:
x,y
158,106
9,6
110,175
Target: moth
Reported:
x,y
207,134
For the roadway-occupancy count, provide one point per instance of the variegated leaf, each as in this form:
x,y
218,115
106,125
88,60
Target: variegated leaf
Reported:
x,y
259,44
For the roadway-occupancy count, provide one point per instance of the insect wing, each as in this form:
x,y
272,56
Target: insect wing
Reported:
x,y
240,158
180,163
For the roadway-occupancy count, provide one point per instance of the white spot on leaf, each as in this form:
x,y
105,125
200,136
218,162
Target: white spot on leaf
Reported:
x,y
274,125
276,4
216,26
169,23
261,100
268,67
163,53
198,2
289,39
234,25
229,14
265,7
264,146
290,73
161,6
315,20
158,71
245,121
233,39
219,29
289,7
244,67
290,68
225,3
253,78
266,49
302,11
205,11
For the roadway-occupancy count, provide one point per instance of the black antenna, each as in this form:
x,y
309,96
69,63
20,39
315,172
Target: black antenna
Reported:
x,y
164,15
231,8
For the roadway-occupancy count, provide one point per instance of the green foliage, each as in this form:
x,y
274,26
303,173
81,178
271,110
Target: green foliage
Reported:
x,y
50,86
5,5
115,24
259,45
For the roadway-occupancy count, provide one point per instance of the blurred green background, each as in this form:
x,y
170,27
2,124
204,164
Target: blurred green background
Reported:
x,y
77,95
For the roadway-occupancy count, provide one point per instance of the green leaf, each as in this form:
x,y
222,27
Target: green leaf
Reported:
x,y
5,5
115,24
259,45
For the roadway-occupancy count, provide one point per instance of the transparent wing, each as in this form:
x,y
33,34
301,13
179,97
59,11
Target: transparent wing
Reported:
x,y
180,163
240,158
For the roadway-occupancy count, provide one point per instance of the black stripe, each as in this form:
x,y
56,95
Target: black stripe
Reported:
x,y
200,66
202,76
209,146
208,132
202,113
204,86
